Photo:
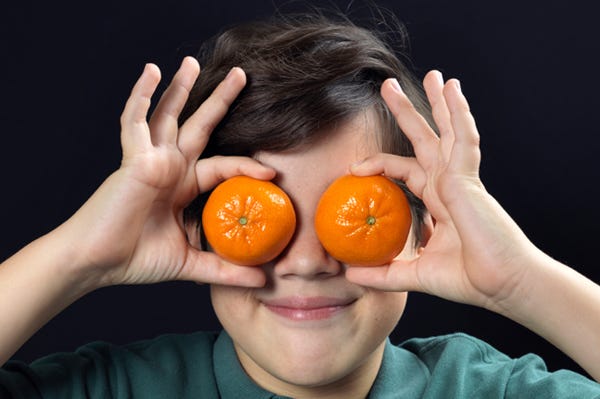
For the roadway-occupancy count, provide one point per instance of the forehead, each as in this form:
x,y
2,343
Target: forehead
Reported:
x,y
324,160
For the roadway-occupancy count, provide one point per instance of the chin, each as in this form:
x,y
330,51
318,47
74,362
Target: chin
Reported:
x,y
310,377
319,349
313,370
309,364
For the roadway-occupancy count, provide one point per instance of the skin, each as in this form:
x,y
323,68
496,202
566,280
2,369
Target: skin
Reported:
x,y
143,242
337,356
476,253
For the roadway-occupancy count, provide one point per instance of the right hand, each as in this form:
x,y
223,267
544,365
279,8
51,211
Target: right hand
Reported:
x,y
131,230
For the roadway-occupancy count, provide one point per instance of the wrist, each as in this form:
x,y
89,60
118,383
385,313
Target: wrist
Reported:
x,y
70,265
521,296
98,240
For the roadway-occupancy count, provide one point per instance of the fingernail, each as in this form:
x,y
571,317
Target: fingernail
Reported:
x,y
396,85
439,77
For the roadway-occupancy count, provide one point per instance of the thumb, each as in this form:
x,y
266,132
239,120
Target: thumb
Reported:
x,y
207,267
400,275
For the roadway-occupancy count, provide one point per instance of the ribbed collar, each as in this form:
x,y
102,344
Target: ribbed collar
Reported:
x,y
401,374
232,380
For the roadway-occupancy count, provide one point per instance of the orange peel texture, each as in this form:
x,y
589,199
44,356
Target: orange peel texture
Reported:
x,y
363,221
248,221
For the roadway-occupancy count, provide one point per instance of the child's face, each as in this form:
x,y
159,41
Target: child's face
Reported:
x,y
281,344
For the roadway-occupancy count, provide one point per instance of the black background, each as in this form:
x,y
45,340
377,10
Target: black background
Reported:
x,y
529,70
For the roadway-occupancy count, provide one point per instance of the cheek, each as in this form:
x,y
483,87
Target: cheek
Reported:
x,y
231,304
384,310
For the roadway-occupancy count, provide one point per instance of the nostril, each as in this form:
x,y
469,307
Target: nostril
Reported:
x,y
325,274
312,265
305,256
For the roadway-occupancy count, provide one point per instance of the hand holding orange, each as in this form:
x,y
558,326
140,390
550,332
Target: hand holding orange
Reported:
x,y
363,221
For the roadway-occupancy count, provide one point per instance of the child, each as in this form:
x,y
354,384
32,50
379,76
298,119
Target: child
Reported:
x,y
299,102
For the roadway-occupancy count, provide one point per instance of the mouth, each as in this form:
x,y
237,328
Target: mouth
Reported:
x,y
308,308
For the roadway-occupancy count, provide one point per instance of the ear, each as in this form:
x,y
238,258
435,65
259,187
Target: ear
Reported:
x,y
427,230
192,232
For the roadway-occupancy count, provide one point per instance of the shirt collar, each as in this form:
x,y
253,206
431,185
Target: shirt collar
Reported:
x,y
232,380
401,374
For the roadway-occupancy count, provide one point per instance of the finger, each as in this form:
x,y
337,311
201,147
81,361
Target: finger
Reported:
x,y
195,131
134,128
434,84
207,267
398,276
414,126
163,123
465,152
395,167
212,171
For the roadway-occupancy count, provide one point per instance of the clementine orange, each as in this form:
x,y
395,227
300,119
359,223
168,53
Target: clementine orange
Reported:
x,y
248,221
363,221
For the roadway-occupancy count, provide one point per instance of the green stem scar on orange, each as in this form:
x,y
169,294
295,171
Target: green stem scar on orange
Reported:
x,y
363,221
248,221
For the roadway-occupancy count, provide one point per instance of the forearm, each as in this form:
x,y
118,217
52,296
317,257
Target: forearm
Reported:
x,y
35,284
562,306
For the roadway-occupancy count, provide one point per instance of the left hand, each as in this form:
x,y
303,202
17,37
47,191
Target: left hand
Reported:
x,y
476,253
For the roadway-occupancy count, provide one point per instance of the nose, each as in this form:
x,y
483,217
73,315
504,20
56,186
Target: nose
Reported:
x,y
306,258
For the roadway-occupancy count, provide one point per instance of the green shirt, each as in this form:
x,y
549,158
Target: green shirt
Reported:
x,y
204,365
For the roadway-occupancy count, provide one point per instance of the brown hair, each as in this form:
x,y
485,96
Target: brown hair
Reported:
x,y
304,74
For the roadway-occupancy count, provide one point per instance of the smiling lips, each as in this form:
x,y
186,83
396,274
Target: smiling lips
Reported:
x,y
307,308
